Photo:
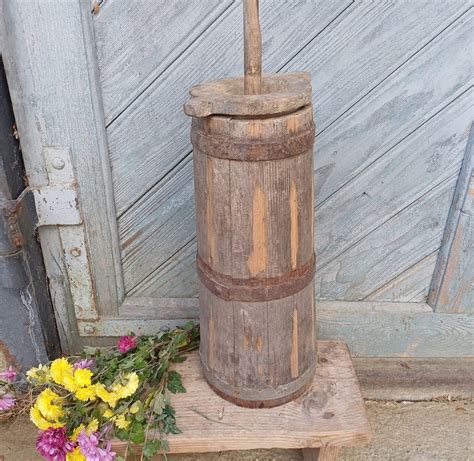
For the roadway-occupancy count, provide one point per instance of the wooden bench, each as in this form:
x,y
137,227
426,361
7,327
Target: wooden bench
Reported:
x,y
330,415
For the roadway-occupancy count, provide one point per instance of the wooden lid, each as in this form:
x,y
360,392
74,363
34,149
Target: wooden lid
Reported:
x,y
280,93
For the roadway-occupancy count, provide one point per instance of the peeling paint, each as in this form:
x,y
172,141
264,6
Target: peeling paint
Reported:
x,y
27,301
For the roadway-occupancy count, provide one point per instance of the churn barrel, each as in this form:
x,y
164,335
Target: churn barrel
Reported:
x,y
253,173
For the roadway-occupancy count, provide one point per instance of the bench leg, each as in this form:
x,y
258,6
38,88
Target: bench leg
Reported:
x,y
320,454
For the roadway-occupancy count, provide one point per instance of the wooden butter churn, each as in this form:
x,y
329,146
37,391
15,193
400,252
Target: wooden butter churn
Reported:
x,y
253,172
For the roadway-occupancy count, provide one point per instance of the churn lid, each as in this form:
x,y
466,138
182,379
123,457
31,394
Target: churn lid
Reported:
x,y
252,94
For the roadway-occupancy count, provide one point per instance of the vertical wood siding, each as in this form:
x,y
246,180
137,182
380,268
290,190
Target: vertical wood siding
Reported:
x,y
392,97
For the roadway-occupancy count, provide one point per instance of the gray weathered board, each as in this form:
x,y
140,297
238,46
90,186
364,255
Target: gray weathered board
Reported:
x,y
392,84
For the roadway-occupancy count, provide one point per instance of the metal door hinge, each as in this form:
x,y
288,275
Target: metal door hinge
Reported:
x,y
57,204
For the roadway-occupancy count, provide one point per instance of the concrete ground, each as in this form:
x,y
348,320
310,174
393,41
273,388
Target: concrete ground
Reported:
x,y
405,431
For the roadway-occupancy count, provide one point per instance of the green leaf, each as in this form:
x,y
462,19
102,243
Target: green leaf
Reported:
x,y
137,433
140,415
150,448
159,404
175,384
122,434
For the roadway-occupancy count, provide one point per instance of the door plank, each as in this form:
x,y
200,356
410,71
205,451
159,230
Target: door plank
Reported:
x,y
137,41
410,286
352,58
414,166
406,100
153,134
177,277
351,141
392,248
159,227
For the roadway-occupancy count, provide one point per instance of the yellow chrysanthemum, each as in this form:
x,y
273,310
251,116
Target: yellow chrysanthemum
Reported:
x,y
121,422
132,385
75,455
93,426
69,383
40,375
83,377
48,404
86,393
108,413
40,422
135,408
60,370
109,397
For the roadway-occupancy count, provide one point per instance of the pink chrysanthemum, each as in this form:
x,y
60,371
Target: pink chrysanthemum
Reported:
x,y
89,446
84,363
53,444
7,401
127,343
8,375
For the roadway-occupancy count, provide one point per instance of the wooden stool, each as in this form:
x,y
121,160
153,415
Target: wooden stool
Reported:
x,y
330,415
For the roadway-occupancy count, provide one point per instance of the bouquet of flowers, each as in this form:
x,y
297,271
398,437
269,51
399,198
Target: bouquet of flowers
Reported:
x,y
80,403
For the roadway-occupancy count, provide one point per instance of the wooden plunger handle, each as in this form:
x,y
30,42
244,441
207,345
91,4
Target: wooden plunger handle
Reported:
x,y
252,48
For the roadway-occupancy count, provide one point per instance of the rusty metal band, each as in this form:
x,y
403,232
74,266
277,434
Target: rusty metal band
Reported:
x,y
260,398
255,289
225,148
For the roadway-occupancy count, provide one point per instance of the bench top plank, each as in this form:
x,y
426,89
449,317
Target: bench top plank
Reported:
x,y
330,413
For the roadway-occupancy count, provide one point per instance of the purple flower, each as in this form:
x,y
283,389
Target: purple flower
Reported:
x,y
7,401
127,343
84,363
8,375
89,446
53,444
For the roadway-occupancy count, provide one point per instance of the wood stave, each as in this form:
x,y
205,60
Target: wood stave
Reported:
x,y
233,328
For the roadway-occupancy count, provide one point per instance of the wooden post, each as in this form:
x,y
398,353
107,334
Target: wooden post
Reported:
x,y
320,454
252,48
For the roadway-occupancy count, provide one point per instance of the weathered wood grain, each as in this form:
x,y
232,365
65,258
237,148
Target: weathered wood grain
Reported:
x,y
349,60
371,329
406,99
415,378
392,248
137,41
58,33
410,286
166,217
457,292
331,414
256,248
164,308
452,288
154,281
395,180
387,331
153,134
252,48
418,75
175,278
